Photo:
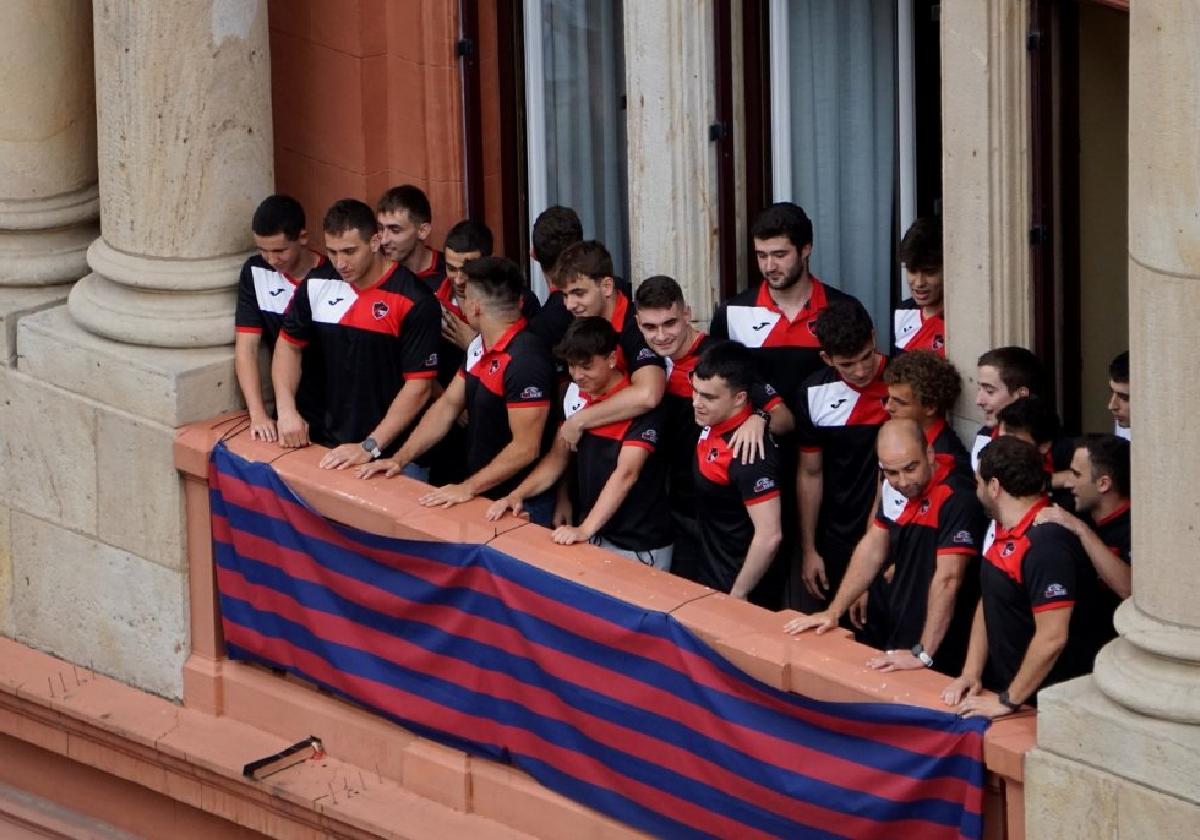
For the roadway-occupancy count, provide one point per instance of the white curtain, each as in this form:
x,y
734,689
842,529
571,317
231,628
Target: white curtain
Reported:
x,y
842,79
584,81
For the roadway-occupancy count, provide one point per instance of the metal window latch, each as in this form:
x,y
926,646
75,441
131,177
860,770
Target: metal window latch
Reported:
x,y
718,131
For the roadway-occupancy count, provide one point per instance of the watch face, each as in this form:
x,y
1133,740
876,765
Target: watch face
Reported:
x,y
370,445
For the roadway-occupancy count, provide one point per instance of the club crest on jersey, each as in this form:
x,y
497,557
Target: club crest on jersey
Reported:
x,y
1008,549
763,484
380,310
924,508
494,366
532,393
712,454
939,342
1055,590
812,326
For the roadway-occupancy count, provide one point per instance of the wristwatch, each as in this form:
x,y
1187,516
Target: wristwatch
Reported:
x,y
372,448
918,650
765,415
1012,707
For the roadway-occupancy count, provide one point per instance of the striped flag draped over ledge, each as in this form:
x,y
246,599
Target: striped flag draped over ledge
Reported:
x,y
614,706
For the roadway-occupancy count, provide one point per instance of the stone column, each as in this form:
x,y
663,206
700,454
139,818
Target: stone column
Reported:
x,y
672,164
89,495
985,169
48,201
185,156
1136,716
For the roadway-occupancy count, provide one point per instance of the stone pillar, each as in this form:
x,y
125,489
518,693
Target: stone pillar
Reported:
x,y
672,164
89,494
985,169
48,201
1136,716
185,156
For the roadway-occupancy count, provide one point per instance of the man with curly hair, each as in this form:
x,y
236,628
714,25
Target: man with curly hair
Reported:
x,y
923,386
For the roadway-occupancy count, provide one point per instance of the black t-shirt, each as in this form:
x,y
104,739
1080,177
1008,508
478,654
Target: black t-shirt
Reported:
x,y
679,423
1115,531
368,343
841,422
643,520
725,488
264,296
944,520
786,352
1027,569
516,372
949,453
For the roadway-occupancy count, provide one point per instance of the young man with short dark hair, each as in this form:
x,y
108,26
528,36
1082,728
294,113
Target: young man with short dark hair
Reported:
x,y
619,472
405,223
585,276
918,322
737,504
505,385
267,283
1118,399
1035,420
1027,633
932,543
1099,484
554,230
838,413
1004,374
374,329
665,320
777,320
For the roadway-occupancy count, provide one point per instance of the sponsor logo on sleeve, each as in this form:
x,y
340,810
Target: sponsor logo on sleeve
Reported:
x,y
1055,590
963,537
770,390
763,485
431,361
645,353
650,435
532,393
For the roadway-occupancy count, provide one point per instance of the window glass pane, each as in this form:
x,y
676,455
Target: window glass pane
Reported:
x,y
842,81
584,83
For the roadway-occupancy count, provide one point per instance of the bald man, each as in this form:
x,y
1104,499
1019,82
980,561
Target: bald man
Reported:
x,y
933,543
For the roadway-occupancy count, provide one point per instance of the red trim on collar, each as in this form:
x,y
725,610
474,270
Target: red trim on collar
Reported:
x,y
934,429
815,303
1018,530
391,270
620,308
433,265
621,385
503,341
730,423
1122,508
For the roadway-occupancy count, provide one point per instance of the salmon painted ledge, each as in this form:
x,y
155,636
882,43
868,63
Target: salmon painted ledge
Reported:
x,y
238,706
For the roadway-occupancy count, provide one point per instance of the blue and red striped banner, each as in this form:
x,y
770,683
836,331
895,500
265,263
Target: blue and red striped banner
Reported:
x,y
619,708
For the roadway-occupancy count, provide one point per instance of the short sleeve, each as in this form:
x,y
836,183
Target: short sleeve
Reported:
x,y
764,396
1049,571
529,379
637,352
961,523
297,322
248,317
807,437
719,328
757,482
645,431
420,336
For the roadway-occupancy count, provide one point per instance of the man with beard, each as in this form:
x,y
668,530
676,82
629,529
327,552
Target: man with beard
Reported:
x,y
933,546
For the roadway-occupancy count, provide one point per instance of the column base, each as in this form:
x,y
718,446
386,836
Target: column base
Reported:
x,y
147,317
44,257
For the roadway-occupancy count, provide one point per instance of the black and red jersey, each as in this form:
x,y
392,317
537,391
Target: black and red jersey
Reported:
x,y
841,422
643,521
725,488
367,342
786,351
633,353
515,372
679,422
948,451
264,296
946,519
1027,569
913,331
1115,531
434,274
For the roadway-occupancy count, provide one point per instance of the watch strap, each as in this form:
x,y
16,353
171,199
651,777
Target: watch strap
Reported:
x,y
1004,700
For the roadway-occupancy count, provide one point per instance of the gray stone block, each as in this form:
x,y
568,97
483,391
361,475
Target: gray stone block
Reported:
x,y
16,303
98,606
5,571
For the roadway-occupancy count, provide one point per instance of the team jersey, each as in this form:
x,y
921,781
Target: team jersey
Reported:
x,y
1026,570
1115,531
679,423
945,520
725,489
948,451
368,343
434,274
643,520
786,352
515,372
264,296
914,331
841,422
